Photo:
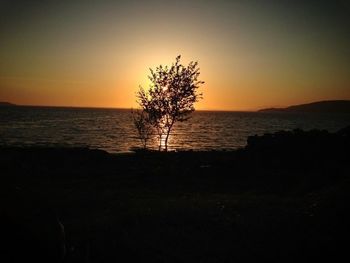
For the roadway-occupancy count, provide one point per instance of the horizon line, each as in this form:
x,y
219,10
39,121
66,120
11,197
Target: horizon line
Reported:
x,y
117,108
131,108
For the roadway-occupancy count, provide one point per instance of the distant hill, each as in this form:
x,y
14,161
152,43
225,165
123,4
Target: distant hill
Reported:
x,y
3,103
331,106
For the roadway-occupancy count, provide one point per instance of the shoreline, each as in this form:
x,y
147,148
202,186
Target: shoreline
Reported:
x,y
284,197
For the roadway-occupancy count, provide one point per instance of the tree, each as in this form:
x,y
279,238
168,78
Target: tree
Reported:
x,y
143,126
170,97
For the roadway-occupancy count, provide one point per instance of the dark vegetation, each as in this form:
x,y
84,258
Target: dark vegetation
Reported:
x,y
331,106
284,198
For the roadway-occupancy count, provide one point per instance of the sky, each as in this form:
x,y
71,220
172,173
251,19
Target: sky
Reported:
x,y
252,54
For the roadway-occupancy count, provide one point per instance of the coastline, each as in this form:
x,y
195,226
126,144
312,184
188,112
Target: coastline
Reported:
x,y
283,197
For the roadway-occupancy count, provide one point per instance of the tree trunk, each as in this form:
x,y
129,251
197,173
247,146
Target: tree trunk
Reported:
x,y
160,143
167,137
166,141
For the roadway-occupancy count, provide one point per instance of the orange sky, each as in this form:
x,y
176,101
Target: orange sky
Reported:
x,y
251,56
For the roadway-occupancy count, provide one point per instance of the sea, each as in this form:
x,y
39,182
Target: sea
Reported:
x,y
113,130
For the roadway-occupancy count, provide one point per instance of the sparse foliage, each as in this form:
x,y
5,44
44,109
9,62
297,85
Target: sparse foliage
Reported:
x,y
170,97
143,126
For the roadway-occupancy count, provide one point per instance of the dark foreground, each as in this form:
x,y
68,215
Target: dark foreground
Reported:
x,y
284,198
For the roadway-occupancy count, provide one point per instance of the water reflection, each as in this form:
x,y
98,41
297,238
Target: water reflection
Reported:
x,y
113,130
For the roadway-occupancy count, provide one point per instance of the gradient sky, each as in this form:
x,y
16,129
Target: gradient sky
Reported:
x,y
252,54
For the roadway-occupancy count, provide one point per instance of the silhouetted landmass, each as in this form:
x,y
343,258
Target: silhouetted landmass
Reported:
x,y
332,106
283,198
6,104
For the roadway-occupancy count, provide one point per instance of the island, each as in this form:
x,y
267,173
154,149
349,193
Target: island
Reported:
x,y
6,104
330,106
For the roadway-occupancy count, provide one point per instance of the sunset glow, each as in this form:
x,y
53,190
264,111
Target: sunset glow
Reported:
x,y
252,54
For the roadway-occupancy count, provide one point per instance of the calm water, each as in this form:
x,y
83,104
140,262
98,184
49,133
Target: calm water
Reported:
x,y
112,130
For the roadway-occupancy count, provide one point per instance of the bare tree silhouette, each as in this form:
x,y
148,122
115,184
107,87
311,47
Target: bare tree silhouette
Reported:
x,y
170,97
143,126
